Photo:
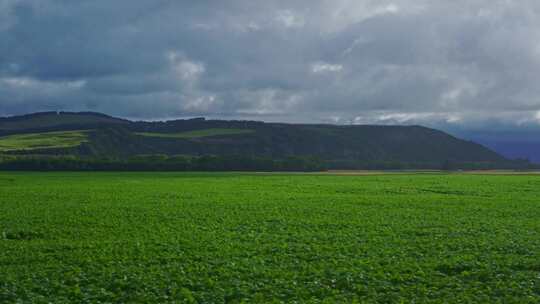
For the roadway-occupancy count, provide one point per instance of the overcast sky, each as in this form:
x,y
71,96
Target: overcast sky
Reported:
x,y
460,63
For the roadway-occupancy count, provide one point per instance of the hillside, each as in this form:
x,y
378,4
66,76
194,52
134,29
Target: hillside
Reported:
x,y
345,147
63,120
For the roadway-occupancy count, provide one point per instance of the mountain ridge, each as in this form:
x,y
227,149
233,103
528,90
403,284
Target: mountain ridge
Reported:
x,y
341,146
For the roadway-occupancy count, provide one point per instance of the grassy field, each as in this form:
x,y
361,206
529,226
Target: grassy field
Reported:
x,y
47,140
229,237
198,133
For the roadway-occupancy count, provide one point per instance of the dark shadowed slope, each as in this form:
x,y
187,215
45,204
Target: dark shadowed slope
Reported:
x,y
342,146
45,120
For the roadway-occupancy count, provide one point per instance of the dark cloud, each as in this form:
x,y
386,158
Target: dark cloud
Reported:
x,y
441,63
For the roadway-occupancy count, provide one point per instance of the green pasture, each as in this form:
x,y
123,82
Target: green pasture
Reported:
x,y
46,140
197,133
268,238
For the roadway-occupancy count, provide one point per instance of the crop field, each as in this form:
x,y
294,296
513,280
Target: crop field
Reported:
x,y
197,133
46,140
260,238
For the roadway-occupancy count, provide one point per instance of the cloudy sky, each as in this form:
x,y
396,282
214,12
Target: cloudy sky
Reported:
x,y
461,64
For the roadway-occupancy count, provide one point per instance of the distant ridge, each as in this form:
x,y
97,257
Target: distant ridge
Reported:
x,y
43,120
351,146
57,113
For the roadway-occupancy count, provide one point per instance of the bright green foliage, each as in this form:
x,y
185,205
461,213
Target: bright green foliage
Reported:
x,y
198,133
47,140
251,238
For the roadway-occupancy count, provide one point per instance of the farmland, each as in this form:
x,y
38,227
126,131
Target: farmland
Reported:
x,y
233,237
45,140
197,133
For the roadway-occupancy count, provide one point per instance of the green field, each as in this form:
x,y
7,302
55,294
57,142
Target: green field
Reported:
x,y
197,133
46,140
256,238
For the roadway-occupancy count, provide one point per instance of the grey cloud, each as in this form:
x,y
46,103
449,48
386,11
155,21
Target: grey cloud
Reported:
x,y
453,64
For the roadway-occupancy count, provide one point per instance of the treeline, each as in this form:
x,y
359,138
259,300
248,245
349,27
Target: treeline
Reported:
x,y
232,163
447,165
158,163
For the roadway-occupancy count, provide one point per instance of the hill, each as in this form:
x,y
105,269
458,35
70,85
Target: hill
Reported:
x,y
95,135
45,120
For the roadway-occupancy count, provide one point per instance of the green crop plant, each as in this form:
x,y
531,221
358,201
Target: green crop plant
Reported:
x,y
268,238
